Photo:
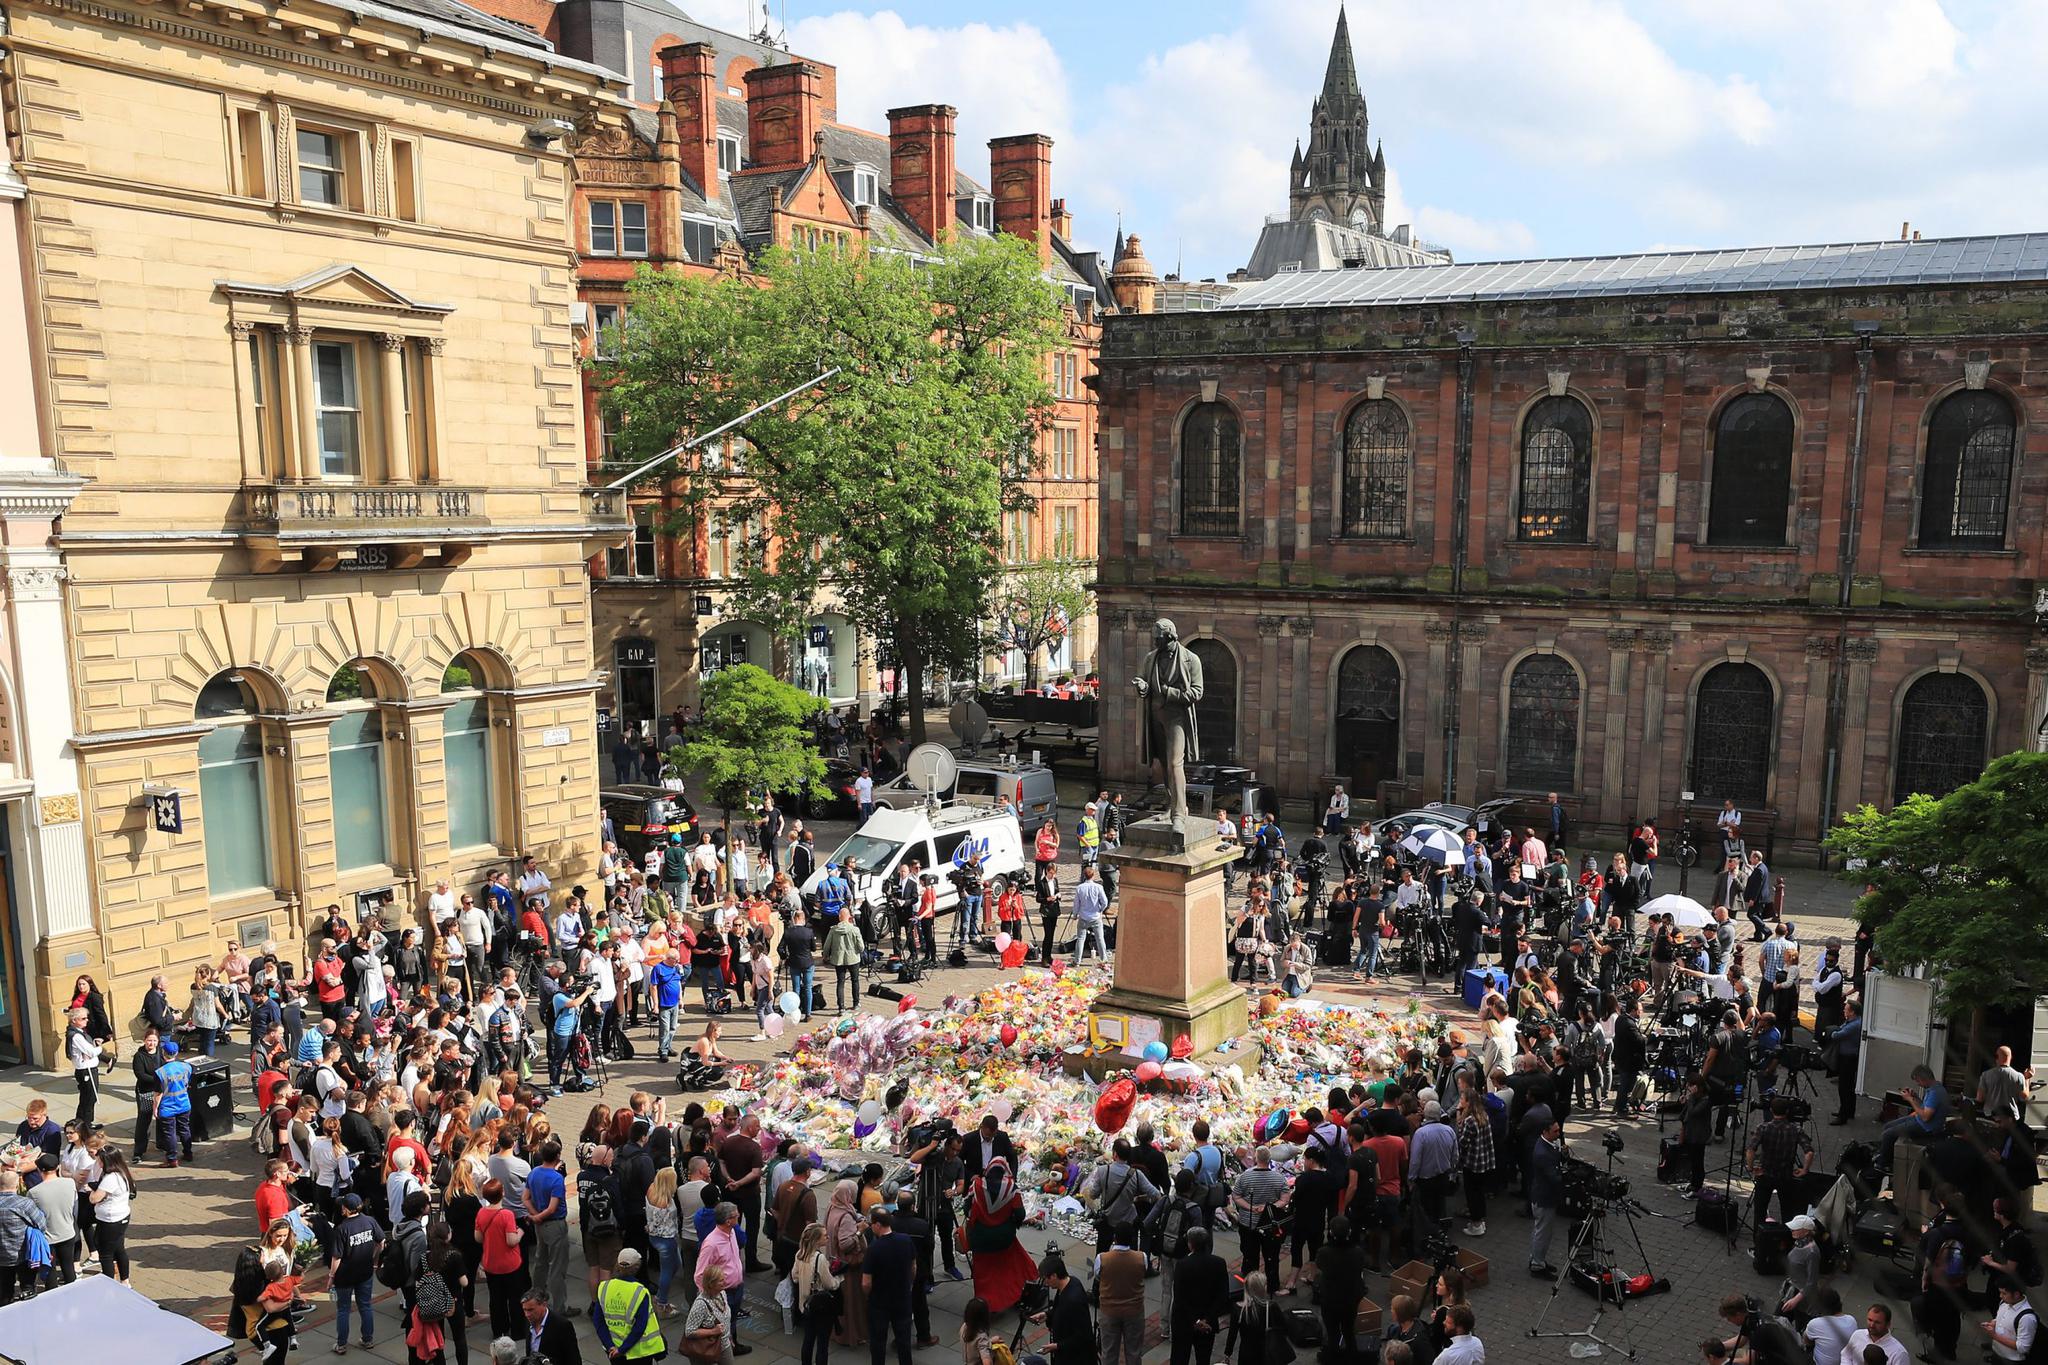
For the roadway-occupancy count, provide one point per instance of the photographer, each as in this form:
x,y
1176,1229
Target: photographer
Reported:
x,y
1725,1066
1780,1156
565,1016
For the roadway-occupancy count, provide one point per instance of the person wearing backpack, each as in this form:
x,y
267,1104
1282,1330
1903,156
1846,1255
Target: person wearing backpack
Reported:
x,y
1943,1270
598,1208
351,1270
1169,1224
2015,1331
404,1257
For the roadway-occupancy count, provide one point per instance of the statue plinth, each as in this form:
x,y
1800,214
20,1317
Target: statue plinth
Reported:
x,y
1171,963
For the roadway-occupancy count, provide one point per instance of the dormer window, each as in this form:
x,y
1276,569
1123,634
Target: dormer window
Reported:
x,y
728,153
984,213
867,186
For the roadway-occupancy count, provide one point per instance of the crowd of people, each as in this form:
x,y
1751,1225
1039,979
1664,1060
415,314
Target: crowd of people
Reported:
x,y
411,1081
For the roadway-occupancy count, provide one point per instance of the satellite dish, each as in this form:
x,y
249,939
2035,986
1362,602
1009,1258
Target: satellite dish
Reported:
x,y
969,722
930,769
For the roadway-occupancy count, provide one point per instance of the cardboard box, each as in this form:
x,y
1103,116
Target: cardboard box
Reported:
x,y
1473,1266
1411,1279
1369,1323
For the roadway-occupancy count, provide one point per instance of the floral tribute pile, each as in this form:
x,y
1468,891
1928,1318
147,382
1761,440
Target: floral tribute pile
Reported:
x,y
1004,1051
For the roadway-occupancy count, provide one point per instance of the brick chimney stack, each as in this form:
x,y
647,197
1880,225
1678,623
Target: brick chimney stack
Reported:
x,y
921,165
1020,172
785,113
1062,221
691,89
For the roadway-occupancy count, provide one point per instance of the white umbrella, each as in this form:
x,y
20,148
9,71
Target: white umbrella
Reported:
x,y
1438,846
1685,912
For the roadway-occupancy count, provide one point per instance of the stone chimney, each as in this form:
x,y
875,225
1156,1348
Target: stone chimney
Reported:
x,y
1020,172
1062,221
785,113
689,85
921,164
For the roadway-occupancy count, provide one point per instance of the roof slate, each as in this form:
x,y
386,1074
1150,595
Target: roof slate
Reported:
x,y
1848,265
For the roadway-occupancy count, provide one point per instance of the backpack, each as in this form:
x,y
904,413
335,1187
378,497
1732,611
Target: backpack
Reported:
x,y
2038,1352
1587,1047
999,1353
393,1268
1174,1227
1773,1343
600,1217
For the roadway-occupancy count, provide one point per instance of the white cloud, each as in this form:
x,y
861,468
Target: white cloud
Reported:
x,y
1571,127
1003,79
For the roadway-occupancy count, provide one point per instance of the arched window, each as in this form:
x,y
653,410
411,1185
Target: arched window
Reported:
x,y
635,684
1969,472
1543,725
1752,491
234,805
355,765
1368,730
1732,735
1557,472
466,754
1944,720
1210,445
1216,712
1376,472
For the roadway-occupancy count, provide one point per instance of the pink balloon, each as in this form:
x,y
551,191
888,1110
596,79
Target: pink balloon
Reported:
x,y
1002,942
773,1026
1148,1072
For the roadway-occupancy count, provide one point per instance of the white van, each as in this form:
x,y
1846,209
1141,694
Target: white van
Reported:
x,y
938,842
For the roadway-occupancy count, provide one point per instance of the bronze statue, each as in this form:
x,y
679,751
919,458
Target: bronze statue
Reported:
x,y
1170,683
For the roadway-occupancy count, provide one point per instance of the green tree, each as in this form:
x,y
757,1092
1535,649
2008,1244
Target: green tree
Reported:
x,y
1038,604
1959,885
752,739
884,488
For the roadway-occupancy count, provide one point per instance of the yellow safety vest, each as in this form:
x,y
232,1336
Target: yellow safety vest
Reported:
x,y
1090,834
621,1301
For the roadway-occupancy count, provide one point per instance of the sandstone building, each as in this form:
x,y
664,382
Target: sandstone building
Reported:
x,y
300,281
1647,531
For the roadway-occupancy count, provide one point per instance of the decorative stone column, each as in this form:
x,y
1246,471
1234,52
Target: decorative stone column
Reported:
x,y
1265,703
1438,634
1649,790
1809,821
2037,698
1172,971
1613,808
1471,644
1857,657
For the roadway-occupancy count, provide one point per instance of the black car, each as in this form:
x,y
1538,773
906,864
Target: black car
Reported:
x,y
643,816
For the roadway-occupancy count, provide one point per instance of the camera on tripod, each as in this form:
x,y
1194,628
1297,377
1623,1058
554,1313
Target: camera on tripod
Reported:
x,y
1585,1184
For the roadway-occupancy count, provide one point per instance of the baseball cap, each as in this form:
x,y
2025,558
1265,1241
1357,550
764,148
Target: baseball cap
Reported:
x,y
170,1049
351,1202
1801,1224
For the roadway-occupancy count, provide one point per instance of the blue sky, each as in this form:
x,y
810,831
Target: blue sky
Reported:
x,y
1565,127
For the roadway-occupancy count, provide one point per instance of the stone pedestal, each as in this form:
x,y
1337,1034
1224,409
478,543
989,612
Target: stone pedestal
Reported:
x,y
1171,963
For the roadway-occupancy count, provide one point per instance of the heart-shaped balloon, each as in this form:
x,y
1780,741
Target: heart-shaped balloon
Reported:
x,y
1008,1033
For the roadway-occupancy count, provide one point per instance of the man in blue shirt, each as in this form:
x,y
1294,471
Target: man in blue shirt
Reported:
x,y
547,1204
565,1018
1847,1040
174,1106
665,986
1928,1119
1091,902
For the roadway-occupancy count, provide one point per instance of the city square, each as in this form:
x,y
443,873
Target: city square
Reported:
x,y
611,622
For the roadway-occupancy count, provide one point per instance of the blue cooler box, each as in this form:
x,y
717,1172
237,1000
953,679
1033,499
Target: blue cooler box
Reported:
x,y
1480,980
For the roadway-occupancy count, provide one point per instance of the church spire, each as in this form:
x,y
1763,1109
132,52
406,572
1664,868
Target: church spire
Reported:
x,y
1340,77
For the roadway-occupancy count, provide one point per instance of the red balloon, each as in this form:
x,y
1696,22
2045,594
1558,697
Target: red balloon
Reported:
x,y
1148,1072
906,1004
1113,1106
1008,1033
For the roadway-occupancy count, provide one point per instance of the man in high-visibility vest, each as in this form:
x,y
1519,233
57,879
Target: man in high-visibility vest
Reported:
x,y
1088,834
626,1325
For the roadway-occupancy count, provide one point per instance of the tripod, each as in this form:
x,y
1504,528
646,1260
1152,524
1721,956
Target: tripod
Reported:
x,y
1589,1249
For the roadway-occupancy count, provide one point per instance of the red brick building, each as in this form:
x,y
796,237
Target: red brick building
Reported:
x,y
734,145
1765,525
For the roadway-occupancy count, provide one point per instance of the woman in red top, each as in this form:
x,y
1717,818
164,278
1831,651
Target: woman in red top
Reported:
x,y
531,921
328,981
497,1236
